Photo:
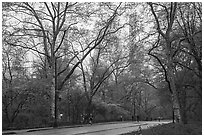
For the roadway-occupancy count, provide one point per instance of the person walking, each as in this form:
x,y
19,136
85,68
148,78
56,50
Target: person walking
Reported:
x,y
138,118
121,118
90,119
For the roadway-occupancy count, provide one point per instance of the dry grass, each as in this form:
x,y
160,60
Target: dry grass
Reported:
x,y
173,129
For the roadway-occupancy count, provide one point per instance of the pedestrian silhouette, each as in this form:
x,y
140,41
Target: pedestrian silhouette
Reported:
x,y
138,118
90,119
121,118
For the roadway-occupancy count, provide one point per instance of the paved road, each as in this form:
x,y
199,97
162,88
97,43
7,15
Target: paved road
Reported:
x,y
97,129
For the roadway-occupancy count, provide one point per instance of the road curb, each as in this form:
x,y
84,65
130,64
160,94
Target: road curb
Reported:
x,y
37,129
9,133
48,128
86,133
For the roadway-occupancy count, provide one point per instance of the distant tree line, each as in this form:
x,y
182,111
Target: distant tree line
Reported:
x,y
63,63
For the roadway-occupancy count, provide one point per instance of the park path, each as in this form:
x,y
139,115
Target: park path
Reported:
x,y
115,128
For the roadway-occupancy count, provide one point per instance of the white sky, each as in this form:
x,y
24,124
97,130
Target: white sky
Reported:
x,y
31,56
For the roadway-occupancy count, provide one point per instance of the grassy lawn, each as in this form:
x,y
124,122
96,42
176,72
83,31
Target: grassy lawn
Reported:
x,y
194,128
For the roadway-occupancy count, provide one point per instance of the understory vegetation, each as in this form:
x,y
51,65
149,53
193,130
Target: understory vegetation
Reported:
x,y
172,129
66,62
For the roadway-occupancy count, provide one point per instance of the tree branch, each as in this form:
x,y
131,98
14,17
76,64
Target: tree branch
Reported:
x,y
98,40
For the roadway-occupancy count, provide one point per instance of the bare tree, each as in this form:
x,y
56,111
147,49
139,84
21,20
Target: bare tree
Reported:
x,y
48,22
165,32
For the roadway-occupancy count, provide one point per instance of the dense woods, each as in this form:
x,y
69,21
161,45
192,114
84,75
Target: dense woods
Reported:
x,y
65,62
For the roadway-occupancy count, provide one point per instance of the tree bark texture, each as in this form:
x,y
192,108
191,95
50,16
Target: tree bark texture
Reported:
x,y
171,78
52,90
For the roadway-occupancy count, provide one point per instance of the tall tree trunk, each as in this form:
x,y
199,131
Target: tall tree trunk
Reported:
x,y
53,91
56,94
171,78
134,106
183,106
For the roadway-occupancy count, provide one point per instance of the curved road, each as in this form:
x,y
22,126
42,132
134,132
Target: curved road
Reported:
x,y
115,128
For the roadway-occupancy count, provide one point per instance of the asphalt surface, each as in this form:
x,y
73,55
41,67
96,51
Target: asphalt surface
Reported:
x,y
111,128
